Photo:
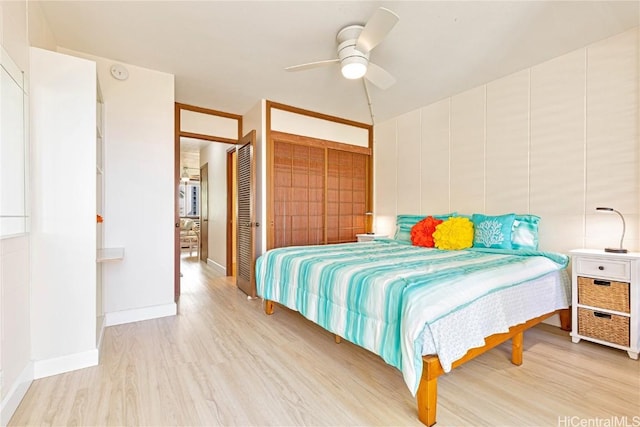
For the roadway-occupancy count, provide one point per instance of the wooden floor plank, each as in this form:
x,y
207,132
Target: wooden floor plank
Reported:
x,y
223,361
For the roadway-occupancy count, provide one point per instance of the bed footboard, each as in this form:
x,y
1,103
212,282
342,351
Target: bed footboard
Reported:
x,y
427,394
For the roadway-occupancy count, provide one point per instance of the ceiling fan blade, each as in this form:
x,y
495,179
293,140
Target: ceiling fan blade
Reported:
x,y
382,21
379,76
311,65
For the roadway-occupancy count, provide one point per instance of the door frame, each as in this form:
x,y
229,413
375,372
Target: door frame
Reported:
x,y
231,214
203,237
178,133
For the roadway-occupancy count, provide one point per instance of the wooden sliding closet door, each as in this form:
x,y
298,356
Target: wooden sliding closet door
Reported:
x,y
346,195
298,194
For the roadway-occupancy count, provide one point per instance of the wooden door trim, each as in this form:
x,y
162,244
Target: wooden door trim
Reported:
x,y
230,211
203,241
176,195
268,176
178,107
369,227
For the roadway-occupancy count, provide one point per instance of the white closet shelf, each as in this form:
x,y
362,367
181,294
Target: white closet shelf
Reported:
x,y
109,254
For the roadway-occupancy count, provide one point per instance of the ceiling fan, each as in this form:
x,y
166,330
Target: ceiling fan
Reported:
x,y
354,46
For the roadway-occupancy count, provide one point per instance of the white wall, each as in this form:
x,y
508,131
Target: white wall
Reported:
x,y
208,124
16,369
40,34
314,127
215,154
139,198
555,140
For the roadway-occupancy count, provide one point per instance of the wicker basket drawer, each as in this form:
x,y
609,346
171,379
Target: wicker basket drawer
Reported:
x,y
604,294
611,269
603,326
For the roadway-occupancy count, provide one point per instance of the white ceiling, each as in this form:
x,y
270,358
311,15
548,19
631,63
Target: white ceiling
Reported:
x,y
190,151
229,55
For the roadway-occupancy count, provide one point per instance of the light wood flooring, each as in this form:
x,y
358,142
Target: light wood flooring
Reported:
x,y
222,361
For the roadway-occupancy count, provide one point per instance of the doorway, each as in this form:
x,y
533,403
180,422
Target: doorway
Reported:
x,y
193,199
207,199
218,132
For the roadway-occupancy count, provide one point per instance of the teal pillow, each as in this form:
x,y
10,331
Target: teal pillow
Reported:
x,y
404,223
524,233
492,231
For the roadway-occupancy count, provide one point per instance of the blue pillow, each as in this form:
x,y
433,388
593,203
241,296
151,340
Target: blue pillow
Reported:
x,y
492,231
404,223
524,234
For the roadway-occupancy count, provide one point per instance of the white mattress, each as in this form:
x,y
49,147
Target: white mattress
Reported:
x,y
467,328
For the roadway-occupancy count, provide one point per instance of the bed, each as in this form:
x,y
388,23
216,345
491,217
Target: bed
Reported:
x,y
424,311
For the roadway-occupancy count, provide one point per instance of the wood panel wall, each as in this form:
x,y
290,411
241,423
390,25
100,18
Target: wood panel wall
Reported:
x,y
556,140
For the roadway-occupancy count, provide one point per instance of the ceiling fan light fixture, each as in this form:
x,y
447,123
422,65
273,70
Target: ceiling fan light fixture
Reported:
x,y
354,67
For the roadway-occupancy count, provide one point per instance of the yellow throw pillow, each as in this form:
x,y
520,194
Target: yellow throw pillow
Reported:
x,y
454,234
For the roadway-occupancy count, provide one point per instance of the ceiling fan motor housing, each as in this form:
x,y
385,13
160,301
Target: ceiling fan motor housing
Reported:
x,y
352,61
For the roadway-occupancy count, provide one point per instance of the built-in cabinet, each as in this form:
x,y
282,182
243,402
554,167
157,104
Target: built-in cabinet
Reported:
x,y
68,149
65,197
319,191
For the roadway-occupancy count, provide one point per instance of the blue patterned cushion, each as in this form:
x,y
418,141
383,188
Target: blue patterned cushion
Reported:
x,y
492,231
404,223
524,233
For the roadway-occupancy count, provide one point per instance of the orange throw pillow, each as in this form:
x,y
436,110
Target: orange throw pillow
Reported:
x,y
422,232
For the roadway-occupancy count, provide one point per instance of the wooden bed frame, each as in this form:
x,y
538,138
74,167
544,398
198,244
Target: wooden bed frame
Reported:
x,y
427,394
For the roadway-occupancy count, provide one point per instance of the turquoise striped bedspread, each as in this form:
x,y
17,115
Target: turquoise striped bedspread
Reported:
x,y
381,295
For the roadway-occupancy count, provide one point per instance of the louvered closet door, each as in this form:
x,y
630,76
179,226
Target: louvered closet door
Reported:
x,y
346,195
246,224
298,194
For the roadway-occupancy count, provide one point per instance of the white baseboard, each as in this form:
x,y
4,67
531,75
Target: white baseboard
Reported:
x,y
138,314
217,267
17,391
71,362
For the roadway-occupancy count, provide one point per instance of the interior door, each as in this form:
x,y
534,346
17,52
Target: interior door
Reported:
x,y
246,225
232,198
204,212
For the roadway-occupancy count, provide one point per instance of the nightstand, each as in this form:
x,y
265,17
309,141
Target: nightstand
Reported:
x,y
605,294
369,237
